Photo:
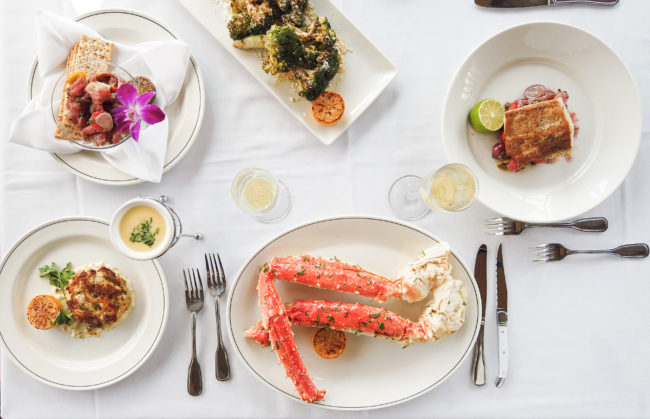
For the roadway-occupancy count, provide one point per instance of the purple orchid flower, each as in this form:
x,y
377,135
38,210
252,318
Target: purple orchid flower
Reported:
x,y
134,109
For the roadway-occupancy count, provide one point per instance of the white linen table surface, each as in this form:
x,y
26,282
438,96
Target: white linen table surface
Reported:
x,y
579,330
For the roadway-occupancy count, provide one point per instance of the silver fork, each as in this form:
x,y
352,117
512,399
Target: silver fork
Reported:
x,y
194,301
217,286
506,226
551,252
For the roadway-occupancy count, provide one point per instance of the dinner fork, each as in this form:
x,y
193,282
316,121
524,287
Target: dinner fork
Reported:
x,y
194,302
506,226
217,285
555,251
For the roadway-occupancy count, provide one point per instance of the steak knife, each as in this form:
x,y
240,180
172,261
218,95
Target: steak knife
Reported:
x,y
529,3
478,367
502,320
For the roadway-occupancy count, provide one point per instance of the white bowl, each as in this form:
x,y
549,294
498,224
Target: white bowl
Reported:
x,y
119,244
602,94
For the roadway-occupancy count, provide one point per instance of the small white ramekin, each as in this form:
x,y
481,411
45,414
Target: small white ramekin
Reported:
x,y
170,229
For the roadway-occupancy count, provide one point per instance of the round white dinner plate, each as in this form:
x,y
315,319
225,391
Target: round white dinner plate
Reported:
x,y
54,357
372,372
601,93
185,114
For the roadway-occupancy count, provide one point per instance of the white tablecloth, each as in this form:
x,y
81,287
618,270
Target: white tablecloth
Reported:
x,y
579,331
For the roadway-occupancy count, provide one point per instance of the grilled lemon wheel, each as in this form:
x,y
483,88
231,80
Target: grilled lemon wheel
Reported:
x,y
328,108
42,311
329,343
487,116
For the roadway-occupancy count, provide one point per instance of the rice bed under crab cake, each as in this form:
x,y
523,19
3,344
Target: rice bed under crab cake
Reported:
x,y
99,298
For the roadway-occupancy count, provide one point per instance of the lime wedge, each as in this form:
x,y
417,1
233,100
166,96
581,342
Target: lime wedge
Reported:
x,y
487,116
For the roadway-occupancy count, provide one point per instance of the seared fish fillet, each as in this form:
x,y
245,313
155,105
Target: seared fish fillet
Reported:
x,y
539,132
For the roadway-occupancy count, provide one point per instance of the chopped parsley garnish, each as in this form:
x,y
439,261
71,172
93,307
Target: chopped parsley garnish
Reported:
x,y
330,318
374,316
266,269
277,345
63,317
300,273
330,275
381,326
59,279
359,275
347,313
142,233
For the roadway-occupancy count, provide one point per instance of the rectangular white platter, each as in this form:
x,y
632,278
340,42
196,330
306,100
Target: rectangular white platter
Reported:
x,y
367,71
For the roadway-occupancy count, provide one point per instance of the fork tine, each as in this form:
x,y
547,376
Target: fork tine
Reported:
x,y
200,290
213,267
187,293
208,273
222,273
498,219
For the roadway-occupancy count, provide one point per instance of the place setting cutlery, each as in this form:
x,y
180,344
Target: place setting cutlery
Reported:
x,y
480,273
551,252
194,297
503,226
530,3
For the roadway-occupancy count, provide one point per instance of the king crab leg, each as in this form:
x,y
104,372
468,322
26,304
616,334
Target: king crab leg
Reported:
x,y
275,320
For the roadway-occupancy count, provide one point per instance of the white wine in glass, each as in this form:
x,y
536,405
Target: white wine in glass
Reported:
x,y
260,194
451,188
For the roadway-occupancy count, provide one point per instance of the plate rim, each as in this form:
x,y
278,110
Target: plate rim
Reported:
x,y
133,368
195,131
637,138
365,218
370,98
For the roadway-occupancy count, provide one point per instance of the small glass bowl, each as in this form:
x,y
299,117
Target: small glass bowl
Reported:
x,y
88,68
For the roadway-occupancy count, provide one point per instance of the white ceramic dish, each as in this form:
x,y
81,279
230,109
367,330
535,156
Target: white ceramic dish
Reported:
x,y
367,70
116,239
185,114
602,94
52,356
361,378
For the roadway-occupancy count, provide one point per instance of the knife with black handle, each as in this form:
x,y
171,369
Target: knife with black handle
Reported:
x,y
529,3
502,320
478,367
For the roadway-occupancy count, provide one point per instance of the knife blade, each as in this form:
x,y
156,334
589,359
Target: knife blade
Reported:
x,y
502,319
530,3
480,274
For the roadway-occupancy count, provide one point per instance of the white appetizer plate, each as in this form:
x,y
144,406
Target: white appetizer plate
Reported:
x,y
371,373
601,93
54,357
367,70
185,114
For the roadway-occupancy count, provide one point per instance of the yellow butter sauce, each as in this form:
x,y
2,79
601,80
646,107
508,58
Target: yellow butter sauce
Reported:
x,y
133,218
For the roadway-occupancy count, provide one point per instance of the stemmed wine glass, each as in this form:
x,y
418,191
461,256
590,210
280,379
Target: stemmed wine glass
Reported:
x,y
451,188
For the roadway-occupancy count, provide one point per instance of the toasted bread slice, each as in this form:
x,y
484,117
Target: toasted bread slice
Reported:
x,y
87,49
539,132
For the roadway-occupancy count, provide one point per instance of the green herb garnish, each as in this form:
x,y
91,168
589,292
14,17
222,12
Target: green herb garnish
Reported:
x,y
59,279
63,317
142,233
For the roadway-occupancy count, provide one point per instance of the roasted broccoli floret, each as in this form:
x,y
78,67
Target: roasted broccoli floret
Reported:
x,y
293,11
251,17
315,82
285,49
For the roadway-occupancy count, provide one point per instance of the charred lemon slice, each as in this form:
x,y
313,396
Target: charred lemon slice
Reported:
x,y
329,343
72,77
42,311
328,108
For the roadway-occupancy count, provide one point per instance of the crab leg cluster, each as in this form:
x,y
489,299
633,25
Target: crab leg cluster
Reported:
x,y
442,316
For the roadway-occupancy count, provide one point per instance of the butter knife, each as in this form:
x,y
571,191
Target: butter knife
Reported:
x,y
502,320
478,367
529,3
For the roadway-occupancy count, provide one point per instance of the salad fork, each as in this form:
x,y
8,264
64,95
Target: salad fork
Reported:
x,y
555,251
217,286
506,226
194,302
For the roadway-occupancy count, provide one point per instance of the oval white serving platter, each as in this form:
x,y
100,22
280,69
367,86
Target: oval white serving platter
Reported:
x,y
371,373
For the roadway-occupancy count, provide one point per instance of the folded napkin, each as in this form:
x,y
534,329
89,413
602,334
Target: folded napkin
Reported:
x,y
163,62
